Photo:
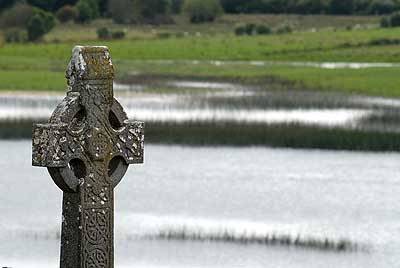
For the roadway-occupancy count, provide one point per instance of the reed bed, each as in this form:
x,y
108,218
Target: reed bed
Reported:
x,y
284,240
227,134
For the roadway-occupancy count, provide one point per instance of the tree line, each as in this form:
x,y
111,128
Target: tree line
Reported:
x,y
332,7
151,8
37,17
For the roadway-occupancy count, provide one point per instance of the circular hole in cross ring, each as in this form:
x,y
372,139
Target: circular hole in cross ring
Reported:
x,y
78,168
114,121
117,168
78,121
115,164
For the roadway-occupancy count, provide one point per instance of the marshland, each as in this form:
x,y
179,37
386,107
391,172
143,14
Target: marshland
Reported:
x,y
272,136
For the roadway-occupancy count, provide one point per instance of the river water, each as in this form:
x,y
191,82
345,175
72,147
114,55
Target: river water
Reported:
x,y
247,192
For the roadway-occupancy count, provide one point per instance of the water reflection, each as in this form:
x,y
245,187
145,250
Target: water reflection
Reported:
x,y
223,209
215,112
321,65
172,108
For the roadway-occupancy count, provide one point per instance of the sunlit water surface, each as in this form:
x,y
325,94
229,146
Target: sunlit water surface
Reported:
x,y
320,65
234,105
249,191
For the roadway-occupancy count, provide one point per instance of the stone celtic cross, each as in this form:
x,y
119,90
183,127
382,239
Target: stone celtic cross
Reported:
x,y
87,146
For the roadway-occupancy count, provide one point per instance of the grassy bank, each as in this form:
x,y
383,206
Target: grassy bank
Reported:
x,y
371,81
223,25
42,64
371,45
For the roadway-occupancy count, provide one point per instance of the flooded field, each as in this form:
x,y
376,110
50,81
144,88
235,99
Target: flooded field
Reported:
x,y
322,65
194,111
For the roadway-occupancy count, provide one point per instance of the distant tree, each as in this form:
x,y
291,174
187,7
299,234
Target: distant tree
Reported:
x,y
263,29
176,6
262,6
202,10
66,13
47,5
103,33
118,34
342,7
15,35
284,29
240,30
394,19
380,7
60,3
385,22
36,28
149,9
6,4
361,6
234,6
17,16
103,7
276,6
250,28
122,11
309,6
39,24
88,10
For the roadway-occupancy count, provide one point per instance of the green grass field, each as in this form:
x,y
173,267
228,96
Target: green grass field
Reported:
x,y
356,45
371,81
40,66
224,25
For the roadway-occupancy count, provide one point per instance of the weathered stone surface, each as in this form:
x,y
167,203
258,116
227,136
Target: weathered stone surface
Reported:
x,y
87,146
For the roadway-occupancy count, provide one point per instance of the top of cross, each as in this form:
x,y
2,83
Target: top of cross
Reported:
x,y
89,124
90,63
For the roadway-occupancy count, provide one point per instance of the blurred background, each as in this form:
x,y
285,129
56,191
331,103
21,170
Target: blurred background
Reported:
x,y
272,129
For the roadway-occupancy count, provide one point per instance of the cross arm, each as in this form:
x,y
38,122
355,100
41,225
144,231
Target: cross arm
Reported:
x,y
130,142
48,145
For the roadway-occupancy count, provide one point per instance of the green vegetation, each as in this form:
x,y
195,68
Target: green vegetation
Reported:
x,y
104,33
312,6
200,11
39,24
143,34
23,18
370,81
251,29
217,134
356,46
391,21
153,8
66,13
48,61
334,39
88,10
32,80
292,136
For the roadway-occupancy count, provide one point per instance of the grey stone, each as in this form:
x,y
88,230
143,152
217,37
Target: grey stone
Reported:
x,y
87,146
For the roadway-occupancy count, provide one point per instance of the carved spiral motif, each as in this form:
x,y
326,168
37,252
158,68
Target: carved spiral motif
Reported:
x,y
96,259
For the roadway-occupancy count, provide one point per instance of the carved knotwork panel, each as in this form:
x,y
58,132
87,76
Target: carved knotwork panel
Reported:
x,y
97,238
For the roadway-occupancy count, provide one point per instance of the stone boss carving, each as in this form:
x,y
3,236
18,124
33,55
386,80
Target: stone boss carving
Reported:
x,y
87,146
